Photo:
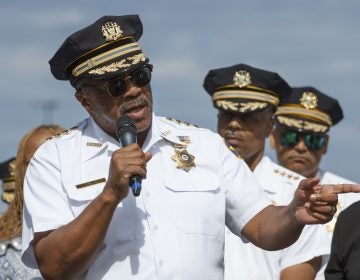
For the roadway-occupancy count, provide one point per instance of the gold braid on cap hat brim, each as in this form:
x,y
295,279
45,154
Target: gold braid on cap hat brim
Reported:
x,y
119,52
115,66
299,111
302,124
250,93
241,107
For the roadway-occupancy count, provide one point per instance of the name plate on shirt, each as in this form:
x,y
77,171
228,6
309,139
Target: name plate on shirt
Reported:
x,y
91,183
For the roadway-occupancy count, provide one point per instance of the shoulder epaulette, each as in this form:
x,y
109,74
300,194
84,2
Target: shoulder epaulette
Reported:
x,y
181,122
65,132
285,174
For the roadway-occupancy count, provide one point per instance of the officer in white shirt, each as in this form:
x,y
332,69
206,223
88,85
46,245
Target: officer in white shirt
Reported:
x,y
246,98
80,222
301,139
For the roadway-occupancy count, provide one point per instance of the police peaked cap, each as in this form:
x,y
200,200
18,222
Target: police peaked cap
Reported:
x,y
307,108
106,48
243,88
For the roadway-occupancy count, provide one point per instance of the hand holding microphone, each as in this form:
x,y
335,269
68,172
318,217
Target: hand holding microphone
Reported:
x,y
126,132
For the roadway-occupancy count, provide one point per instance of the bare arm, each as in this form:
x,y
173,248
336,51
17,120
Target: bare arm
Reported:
x,y
68,251
302,271
273,228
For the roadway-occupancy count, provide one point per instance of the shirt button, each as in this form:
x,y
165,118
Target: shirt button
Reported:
x,y
155,227
161,263
147,193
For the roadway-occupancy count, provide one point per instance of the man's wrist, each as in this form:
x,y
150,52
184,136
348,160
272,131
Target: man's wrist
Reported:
x,y
109,195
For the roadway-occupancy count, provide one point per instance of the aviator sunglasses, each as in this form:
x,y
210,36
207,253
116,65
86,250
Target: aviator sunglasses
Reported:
x,y
313,141
116,87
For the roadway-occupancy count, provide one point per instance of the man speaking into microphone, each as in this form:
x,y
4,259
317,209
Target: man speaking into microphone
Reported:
x,y
81,221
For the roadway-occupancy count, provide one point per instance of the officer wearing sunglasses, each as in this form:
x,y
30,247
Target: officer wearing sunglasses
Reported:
x,y
301,139
81,222
246,98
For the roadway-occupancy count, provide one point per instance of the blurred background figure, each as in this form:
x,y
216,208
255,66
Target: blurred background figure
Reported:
x,y
301,139
7,176
345,253
247,98
11,220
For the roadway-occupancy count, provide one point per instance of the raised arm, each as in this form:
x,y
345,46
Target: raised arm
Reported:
x,y
277,227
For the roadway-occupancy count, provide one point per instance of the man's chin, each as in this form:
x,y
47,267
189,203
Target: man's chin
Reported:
x,y
143,125
297,167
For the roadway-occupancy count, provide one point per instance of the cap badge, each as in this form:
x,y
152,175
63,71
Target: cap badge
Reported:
x,y
242,78
111,31
183,159
309,100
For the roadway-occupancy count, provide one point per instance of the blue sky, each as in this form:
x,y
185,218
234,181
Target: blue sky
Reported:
x,y
307,42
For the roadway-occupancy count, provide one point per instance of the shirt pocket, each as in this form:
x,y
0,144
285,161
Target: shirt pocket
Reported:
x,y
197,204
123,222
80,197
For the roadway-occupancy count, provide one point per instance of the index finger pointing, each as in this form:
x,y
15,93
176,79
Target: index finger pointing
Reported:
x,y
341,188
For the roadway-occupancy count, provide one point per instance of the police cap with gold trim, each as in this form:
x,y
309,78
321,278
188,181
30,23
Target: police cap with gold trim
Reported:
x,y
106,48
7,170
7,176
243,88
308,109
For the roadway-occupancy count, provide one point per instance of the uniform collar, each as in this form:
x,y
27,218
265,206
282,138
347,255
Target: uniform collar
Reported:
x,y
169,133
95,140
160,131
153,134
264,168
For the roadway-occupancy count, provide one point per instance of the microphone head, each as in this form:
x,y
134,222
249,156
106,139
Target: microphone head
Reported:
x,y
125,124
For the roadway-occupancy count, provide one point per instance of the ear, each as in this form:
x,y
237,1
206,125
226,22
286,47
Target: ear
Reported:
x,y
269,127
83,99
272,140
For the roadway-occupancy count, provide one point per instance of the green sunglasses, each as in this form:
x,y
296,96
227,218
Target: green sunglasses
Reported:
x,y
313,141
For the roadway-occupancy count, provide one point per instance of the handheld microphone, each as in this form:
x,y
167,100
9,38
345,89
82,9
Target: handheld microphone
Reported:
x,y
126,132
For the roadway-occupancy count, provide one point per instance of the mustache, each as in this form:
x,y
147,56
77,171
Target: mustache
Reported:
x,y
231,134
134,103
296,156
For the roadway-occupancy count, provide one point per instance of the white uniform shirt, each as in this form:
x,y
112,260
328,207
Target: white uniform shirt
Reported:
x,y
248,262
174,229
344,200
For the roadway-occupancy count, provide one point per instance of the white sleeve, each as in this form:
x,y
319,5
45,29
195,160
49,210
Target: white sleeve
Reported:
x,y
313,242
46,205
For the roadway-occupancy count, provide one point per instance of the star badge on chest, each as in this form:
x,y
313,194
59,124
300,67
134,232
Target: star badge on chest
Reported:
x,y
183,159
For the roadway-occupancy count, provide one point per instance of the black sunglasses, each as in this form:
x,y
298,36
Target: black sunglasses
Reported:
x,y
313,141
116,87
